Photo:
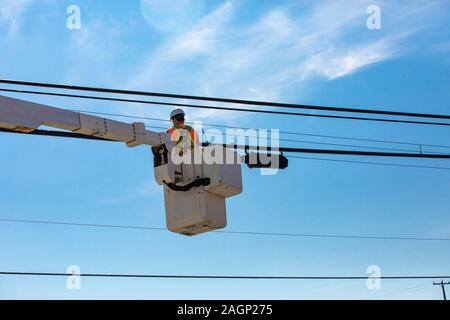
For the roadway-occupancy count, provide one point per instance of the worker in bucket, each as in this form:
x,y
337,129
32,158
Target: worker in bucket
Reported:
x,y
183,136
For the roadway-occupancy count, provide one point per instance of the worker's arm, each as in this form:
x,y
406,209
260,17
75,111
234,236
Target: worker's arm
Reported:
x,y
194,137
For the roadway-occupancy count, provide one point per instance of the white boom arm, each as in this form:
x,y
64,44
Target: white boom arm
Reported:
x,y
194,193
25,116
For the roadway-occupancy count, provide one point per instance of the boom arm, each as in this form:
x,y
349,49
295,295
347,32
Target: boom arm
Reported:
x,y
25,116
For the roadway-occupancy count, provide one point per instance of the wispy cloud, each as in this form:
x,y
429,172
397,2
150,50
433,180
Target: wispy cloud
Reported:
x,y
280,51
11,12
178,52
335,62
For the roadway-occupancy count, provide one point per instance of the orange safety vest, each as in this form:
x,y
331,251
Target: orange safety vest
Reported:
x,y
177,137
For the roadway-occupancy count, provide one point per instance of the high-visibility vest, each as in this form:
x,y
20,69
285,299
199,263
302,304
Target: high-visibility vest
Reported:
x,y
178,133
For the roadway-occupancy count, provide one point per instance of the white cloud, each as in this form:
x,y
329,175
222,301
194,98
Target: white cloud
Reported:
x,y
203,38
11,12
336,62
279,52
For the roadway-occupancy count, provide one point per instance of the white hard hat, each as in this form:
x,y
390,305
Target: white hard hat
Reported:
x,y
176,112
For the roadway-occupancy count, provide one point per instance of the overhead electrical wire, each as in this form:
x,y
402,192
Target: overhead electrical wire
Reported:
x,y
212,277
36,84
282,149
371,163
304,141
249,148
402,291
343,152
298,141
224,108
222,100
80,136
248,233
281,131
281,139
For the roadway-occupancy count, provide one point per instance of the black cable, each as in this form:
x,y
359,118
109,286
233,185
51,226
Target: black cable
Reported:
x,y
224,100
281,131
281,139
80,136
246,147
82,224
417,144
194,184
315,142
402,291
225,108
373,163
218,277
351,152
299,141
251,233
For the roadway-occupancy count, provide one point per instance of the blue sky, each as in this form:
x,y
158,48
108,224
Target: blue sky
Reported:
x,y
311,52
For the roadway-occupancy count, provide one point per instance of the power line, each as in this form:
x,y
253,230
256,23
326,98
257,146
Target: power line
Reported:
x,y
402,291
368,140
237,135
218,277
223,100
224,108
296,141
372,163
80,136
247,147
305,142
356,153
250,233
281,131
